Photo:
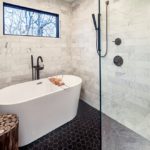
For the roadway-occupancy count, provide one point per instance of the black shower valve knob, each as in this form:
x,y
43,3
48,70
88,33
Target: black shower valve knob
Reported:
x,y
118,61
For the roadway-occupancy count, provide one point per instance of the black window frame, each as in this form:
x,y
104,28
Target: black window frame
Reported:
x,y
33,10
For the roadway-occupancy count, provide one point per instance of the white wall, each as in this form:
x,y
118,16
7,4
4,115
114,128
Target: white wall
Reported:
x,y
15,51
125,90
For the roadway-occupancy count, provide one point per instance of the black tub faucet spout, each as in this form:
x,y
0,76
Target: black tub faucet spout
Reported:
x,y
39,66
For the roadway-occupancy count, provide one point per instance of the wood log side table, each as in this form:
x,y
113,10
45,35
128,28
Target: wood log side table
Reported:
x,y
9,132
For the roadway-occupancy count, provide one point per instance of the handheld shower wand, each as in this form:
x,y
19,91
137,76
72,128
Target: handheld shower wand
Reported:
x,y
94,21
97,29
98,32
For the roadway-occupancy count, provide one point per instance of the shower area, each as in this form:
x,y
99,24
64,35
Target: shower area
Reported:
x,y
125,79
113,63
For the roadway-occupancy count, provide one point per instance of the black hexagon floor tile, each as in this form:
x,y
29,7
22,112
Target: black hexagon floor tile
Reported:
x,y
82,133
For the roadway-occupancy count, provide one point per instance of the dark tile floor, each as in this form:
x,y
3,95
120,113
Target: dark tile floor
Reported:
x,y
82,133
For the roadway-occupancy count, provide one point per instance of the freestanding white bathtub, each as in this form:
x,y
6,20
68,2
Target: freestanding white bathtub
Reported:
x,y
41,106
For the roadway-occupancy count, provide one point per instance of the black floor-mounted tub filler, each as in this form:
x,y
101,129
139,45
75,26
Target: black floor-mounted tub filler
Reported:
x,y
99,51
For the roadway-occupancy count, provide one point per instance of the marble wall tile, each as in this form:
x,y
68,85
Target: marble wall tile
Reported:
x,y
15,51
125,90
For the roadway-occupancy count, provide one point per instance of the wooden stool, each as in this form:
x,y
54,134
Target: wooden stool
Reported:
x,y
8,132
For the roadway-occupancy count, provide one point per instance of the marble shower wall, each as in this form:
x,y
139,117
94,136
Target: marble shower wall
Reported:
x,y
15,51
125,90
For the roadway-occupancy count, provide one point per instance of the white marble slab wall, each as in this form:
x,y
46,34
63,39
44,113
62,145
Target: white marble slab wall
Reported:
x,y
15,51
125,90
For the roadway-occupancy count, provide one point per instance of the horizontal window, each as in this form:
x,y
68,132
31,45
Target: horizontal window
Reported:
x,y
29,22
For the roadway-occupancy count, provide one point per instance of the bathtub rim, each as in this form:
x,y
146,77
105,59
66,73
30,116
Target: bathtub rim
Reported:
x,y
42,95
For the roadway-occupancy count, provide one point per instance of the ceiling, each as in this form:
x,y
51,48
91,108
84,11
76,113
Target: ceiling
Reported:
x,y
69,0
